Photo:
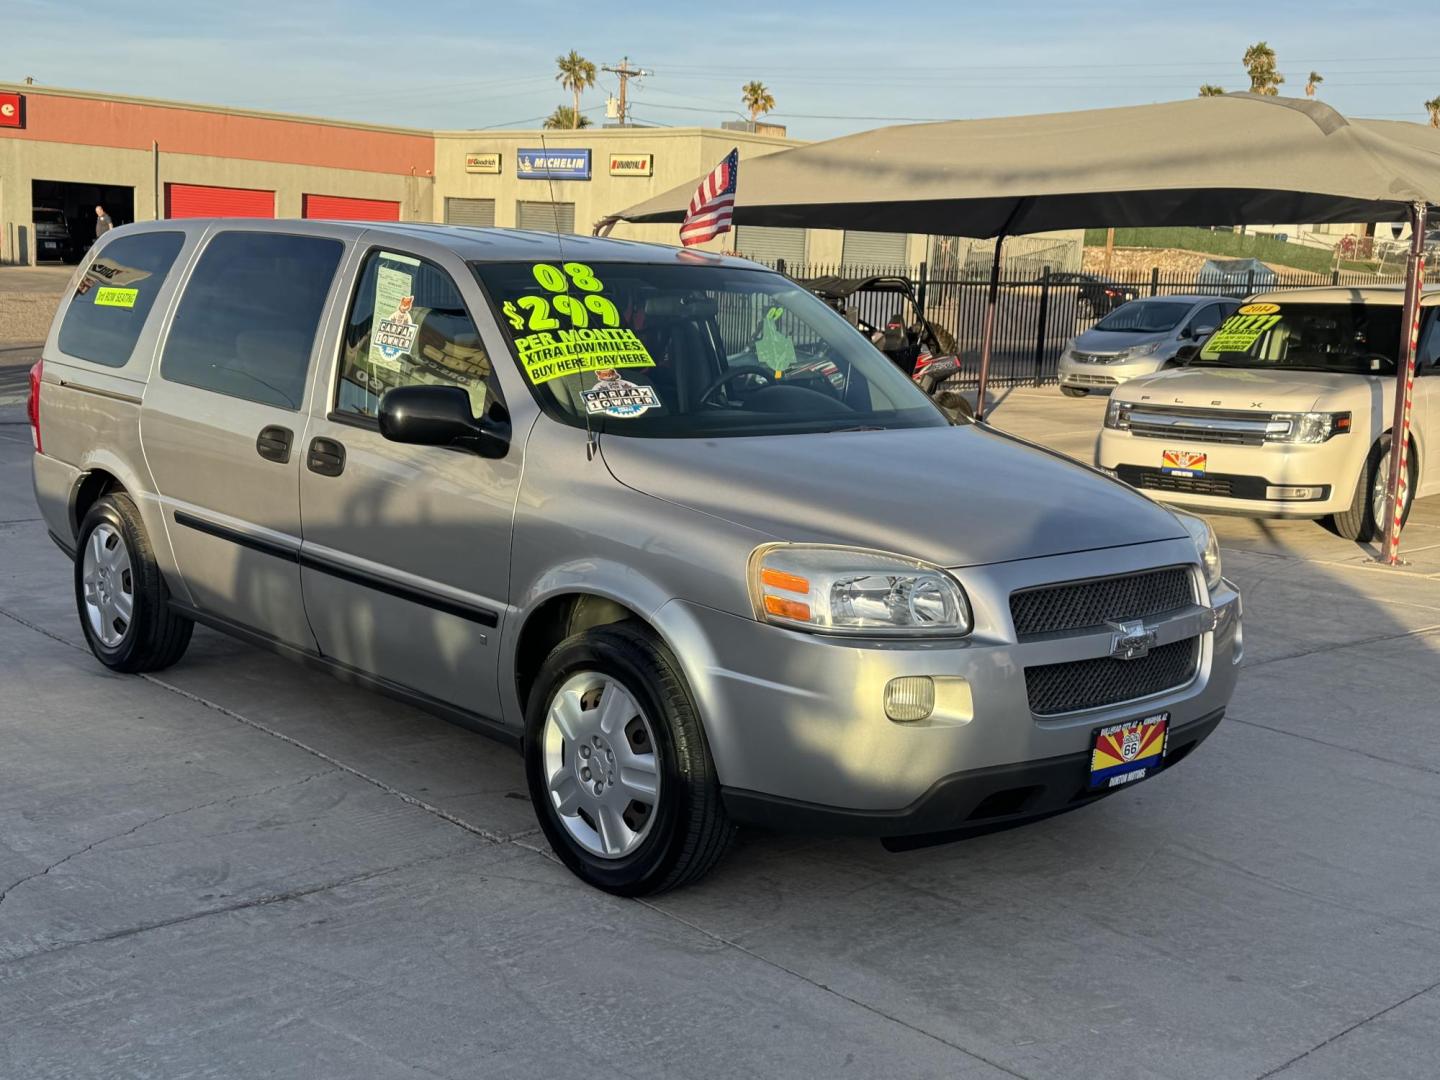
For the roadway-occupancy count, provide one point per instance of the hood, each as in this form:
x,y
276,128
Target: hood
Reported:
x,y
1238,388
1113,341
954,496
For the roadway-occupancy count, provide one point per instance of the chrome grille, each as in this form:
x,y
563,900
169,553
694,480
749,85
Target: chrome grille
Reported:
x,y
1090,684
1090,380
1079,605
1195,435
1227,427
1094,358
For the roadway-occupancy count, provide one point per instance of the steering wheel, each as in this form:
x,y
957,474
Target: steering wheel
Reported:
x,y
733,374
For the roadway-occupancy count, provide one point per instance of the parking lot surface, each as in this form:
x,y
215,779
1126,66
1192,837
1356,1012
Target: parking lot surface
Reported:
x,y
243,868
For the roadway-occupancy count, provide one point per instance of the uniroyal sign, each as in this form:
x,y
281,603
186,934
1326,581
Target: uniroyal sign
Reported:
x,y
632,164
12,110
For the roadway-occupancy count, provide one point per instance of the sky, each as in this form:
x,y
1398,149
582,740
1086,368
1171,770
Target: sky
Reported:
x,y
833,66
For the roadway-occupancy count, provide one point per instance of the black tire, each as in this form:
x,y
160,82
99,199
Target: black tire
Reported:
x,y
1074,391
1358,523
690,832
155,636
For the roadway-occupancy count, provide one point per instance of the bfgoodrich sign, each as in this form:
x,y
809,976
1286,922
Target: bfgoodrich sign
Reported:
x,y
552,164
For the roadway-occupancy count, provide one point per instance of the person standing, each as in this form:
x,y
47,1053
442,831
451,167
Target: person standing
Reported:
x,y
103,224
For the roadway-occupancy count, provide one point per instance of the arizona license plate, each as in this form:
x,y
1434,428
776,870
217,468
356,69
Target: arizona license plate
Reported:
x,y
1125,753
1182,463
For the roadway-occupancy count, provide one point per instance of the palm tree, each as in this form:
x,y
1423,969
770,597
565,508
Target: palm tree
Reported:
x,y
1314,83
564,118
1211,90
1260,66
576,74
757,99
1433,108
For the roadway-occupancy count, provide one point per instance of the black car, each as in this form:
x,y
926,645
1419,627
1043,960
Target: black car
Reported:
x,y
1100,295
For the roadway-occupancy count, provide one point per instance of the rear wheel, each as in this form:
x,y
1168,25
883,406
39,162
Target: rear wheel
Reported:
x,y
618,767
120,594
1074,391
1364,521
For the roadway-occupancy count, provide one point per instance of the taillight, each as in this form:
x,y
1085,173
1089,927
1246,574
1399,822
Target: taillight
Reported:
x,y
32,407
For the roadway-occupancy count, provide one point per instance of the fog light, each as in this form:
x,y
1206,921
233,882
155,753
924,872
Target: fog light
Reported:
x,y
909,698
1295,494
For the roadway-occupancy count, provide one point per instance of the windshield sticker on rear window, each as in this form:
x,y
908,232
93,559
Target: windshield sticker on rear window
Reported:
x,y
774,349
109,296
618,397
104,272
1258,309
1239,332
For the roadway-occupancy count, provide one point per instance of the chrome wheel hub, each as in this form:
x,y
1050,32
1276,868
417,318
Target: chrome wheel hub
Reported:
x,y
1377,496
600,765
109,585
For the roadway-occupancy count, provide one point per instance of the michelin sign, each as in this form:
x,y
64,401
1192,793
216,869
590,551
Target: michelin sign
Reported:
x,y
552,164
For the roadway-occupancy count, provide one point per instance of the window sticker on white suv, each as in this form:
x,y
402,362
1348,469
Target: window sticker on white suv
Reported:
x,y
1240,331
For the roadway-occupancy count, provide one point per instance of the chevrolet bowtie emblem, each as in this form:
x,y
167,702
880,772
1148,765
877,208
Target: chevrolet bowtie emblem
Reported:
x,y
1132,640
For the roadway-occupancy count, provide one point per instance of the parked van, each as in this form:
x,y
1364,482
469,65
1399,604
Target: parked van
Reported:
x,y
1285,412
1138,338
593,498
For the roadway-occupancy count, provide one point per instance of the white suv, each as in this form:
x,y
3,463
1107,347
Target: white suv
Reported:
x,y
1285,412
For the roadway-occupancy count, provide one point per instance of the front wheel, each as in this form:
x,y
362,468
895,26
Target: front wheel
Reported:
x,y
1364,521
1074,391
618,767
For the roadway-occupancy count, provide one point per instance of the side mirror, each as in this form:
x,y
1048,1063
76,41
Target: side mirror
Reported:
x,y
1186,353
956,406
440,416
1200,333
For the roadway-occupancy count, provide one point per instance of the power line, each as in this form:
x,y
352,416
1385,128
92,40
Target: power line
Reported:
x,y
625,73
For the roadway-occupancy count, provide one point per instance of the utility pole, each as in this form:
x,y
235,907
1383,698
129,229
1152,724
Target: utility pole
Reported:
x,y
626,73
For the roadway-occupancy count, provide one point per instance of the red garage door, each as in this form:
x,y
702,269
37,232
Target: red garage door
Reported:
x,y
340,208
196,200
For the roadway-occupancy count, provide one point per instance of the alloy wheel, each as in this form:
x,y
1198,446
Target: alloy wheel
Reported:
x,y
109,585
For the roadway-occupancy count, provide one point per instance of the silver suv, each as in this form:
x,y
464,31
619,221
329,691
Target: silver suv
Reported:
x,y
661,518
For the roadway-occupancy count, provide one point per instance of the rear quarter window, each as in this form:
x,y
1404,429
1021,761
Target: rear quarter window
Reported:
x,y
114,296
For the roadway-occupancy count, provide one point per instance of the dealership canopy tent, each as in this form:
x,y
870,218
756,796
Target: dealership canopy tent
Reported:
x,y
1234,159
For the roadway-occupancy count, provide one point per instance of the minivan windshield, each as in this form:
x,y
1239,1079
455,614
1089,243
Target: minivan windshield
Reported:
x,y
1145,317
1361,339
666,350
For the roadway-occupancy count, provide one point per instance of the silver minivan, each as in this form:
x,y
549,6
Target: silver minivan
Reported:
x,y
660,518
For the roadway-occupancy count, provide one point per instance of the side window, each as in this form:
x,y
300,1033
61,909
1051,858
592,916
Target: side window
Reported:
x,y
114,296
1211,315
1427,362
408,326
246,323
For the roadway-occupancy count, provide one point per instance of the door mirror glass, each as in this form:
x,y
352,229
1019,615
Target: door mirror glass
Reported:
x,y
440,416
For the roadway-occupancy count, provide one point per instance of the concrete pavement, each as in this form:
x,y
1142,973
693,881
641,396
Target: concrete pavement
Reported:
x,y
240,867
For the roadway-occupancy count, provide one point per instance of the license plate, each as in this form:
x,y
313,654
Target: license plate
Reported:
x,y
1182,463
1126,753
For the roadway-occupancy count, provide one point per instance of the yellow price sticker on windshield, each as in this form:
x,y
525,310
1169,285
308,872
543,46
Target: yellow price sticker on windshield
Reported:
x,y
547,355
110,296
1239,332
1258,309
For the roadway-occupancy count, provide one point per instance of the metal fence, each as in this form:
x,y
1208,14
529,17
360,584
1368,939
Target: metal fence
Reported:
x,y
1036,316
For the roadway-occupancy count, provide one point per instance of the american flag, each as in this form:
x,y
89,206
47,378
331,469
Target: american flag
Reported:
x,y
714,203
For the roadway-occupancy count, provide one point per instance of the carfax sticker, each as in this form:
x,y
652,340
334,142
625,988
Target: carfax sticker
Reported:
x,y
393,329
109,296
618,397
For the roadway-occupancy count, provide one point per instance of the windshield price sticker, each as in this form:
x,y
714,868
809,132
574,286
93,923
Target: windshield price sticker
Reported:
x,y
552,350
1239,332
1258,309
394,327
109,296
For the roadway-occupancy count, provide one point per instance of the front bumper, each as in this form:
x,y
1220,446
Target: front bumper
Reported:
x,y
797,720
1090,376
1237,479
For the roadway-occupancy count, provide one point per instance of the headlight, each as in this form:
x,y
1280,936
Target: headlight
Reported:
x,y
1117,415
838,590
1141,350
1307,427
1206,546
